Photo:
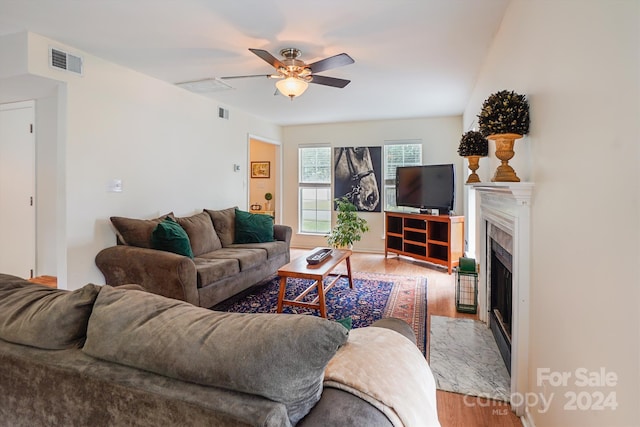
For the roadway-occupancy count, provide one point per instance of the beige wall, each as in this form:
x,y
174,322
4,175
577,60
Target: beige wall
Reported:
x,y
166,144
577,61
440,138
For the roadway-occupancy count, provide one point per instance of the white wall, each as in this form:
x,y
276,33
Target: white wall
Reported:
x,y
166,145
46,184
13,46
577,60
440,138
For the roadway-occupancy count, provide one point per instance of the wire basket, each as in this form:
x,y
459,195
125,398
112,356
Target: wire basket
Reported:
x,y
466,290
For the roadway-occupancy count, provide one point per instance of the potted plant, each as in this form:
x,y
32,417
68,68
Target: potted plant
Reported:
x,y
473,145
268,197
349,226
504,118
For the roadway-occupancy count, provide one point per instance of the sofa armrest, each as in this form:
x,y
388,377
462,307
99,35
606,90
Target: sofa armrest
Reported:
x,y
282,232
159,272
336,406
397,325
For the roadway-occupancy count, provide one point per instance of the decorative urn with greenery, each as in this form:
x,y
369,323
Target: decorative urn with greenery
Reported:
x,y
504,118
349,226
473,145
268,197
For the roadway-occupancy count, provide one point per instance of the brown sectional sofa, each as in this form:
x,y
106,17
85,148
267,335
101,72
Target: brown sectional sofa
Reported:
x,y
109,356
220,268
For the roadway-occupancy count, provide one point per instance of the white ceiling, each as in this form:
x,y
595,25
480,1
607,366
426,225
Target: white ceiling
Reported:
x,y
413,58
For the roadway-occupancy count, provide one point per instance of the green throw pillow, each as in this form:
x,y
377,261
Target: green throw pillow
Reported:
x,y
346,322
170,236
253,228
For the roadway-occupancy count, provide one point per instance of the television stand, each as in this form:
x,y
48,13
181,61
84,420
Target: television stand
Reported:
x,y
438,239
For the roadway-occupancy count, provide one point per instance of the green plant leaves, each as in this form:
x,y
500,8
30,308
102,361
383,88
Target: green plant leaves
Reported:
x,y
349,226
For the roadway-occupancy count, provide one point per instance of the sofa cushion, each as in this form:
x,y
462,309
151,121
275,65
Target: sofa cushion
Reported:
x,y
211,270
280,357
247,257
224,222
253,228
201,233
171,237
68,388
273,248
136,232
44,317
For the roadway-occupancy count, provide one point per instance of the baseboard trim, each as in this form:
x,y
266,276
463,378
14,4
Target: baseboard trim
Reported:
x,y
527,420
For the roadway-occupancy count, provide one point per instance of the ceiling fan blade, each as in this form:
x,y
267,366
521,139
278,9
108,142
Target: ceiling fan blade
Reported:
x,y
331,62
329,81
267,57
269,76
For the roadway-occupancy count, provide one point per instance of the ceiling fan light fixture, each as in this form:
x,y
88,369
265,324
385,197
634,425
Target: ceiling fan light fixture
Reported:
x,y
292,87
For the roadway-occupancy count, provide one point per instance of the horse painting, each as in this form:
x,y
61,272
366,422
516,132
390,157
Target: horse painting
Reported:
x,y
356,176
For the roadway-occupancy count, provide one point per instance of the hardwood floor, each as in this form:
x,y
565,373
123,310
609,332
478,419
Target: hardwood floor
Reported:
x,y
453,409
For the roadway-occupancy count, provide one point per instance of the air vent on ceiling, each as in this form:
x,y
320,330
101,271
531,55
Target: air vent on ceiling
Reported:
x,y
65,61
205,86
223,113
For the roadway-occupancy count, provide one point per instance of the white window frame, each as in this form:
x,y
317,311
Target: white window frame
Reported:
x,y
313,185
389,184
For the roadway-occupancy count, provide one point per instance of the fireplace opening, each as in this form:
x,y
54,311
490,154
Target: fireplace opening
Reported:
x,y
501,300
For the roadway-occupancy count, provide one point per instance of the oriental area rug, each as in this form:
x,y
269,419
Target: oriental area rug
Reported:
x,y
464,358
373,297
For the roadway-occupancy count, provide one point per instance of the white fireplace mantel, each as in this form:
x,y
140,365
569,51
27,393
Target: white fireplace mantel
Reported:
x,y
521,192
507,205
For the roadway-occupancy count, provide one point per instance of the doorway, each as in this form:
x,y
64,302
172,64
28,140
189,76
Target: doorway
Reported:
x,y
264,171
17,189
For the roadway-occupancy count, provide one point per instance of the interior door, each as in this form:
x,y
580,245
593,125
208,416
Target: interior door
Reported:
x,y
17,189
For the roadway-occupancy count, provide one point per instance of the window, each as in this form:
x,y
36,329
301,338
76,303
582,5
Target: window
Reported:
x,y
314,187
398,153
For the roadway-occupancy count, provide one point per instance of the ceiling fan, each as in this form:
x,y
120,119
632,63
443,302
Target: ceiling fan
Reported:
x,y
295,75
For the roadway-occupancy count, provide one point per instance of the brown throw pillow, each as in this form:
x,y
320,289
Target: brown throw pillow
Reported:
x,y
224,222
136,232
201,233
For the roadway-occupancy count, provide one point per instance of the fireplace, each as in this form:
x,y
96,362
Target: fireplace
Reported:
x,y
501,296
502,238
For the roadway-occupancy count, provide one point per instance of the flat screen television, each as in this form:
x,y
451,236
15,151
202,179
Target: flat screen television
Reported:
x,y
426,187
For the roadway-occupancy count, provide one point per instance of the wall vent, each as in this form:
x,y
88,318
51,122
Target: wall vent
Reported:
x,y
65,61
223,113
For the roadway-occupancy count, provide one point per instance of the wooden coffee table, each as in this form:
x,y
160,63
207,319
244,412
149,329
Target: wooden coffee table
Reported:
x,y
299,268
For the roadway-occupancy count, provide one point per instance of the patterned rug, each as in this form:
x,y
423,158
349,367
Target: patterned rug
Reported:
x,y
374,296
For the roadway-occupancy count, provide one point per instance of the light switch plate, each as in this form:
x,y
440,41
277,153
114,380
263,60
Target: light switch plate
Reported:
x,y
114,186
